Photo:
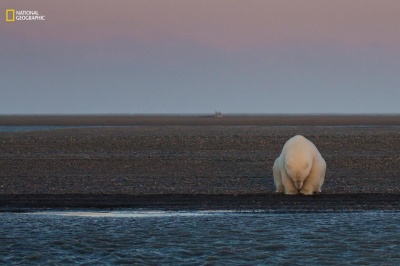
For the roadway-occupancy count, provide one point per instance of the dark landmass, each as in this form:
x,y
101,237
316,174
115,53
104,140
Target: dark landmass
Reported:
x,y
197,120
195,166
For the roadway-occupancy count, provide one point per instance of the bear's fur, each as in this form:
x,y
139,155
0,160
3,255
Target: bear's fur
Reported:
x,y
299,168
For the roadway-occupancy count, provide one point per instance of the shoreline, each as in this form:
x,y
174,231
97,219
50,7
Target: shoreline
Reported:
x,y
249,202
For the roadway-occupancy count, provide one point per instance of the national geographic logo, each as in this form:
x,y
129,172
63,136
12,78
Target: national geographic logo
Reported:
x,y
13,15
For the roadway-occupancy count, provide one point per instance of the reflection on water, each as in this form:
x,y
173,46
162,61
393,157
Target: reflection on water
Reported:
x,y
218,237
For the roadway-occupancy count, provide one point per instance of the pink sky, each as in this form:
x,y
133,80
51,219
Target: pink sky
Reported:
x,y
170,56
228,25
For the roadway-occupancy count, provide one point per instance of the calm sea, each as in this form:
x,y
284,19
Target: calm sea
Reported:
x,y
32,128
199,238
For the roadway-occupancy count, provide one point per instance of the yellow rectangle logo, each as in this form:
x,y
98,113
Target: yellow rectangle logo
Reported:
x,y
10,15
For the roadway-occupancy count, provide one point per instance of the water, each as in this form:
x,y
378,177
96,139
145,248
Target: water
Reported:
x,y
200,238
30,128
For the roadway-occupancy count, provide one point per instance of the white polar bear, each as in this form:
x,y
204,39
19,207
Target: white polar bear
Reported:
x,y
300,167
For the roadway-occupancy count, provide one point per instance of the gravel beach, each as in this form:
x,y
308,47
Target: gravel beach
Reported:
x,y
162,161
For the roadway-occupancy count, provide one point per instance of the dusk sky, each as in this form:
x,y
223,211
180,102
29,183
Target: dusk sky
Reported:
x,y
192,56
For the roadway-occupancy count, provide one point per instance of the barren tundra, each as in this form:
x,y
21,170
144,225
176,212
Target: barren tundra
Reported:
x,y
165,160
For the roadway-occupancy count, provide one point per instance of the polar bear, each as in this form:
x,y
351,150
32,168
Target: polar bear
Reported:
x,y
300,167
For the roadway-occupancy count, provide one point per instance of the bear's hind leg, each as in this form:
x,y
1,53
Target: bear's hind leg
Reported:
x,y
322,176
277,177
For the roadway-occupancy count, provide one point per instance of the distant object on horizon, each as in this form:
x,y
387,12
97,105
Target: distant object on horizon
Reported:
x,y
217,114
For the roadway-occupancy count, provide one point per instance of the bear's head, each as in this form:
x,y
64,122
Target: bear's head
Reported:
x,y
298,170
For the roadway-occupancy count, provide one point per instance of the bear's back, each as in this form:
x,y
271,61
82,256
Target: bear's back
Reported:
x,y
298,143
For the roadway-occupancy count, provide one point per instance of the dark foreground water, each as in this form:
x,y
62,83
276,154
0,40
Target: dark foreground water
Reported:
x,y
200,238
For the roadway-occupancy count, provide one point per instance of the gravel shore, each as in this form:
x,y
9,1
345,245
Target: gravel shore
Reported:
x,y
191,160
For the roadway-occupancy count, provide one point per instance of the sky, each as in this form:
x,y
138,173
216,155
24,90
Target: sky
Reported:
x,y
201,56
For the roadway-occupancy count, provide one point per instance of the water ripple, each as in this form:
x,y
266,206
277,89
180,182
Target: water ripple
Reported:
x,y
185,238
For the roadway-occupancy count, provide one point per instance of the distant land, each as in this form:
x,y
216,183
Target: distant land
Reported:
x,y
200,120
